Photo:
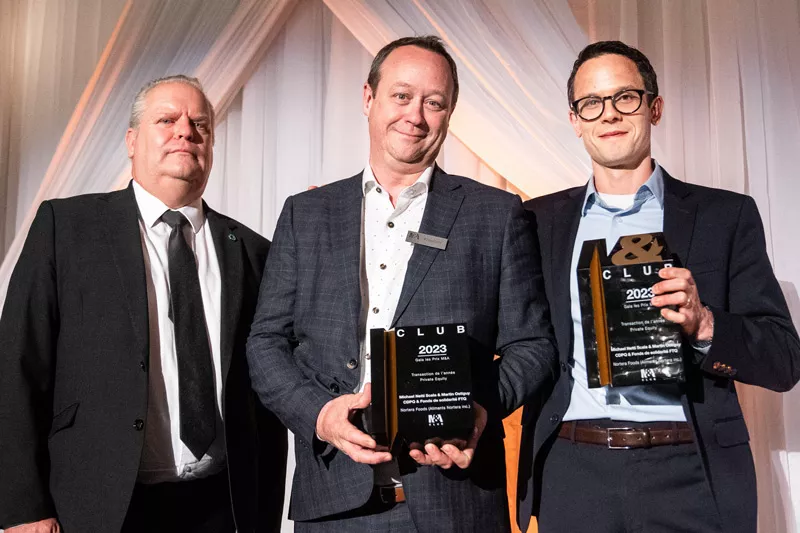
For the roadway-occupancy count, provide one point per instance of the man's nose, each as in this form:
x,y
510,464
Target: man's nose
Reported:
x,y
414,113
184,128
610,113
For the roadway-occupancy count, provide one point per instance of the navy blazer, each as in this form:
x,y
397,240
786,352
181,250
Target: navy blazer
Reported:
x,y
306,331
717,235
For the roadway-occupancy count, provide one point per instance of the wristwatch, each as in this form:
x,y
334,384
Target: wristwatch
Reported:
x,y
705,344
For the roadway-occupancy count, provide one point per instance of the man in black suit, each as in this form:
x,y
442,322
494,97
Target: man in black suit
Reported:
x,y
125,402
342,263
685,461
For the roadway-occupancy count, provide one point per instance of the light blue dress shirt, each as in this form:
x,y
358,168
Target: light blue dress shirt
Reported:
x,y
599,220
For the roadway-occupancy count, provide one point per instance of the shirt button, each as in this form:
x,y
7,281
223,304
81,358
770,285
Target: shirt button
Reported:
x,y
383,266
143,366
367,356
554,419
379,190
138,424
390,224
334,388
563,367
188,469
376,310
352,363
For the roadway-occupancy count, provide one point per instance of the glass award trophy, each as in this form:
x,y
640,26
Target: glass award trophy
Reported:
x,y
627,341
421,386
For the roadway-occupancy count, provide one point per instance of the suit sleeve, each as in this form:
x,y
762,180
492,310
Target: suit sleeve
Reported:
x,y
276,378
28,336
754,340
525,337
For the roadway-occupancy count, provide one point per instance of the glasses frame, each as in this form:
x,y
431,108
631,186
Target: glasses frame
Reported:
x,y
613,97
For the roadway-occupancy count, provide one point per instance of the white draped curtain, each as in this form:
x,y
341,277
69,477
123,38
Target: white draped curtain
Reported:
x,y
48,53
286,77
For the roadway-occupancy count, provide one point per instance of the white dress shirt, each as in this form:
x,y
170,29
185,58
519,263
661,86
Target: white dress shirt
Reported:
x,y
386,252
165,457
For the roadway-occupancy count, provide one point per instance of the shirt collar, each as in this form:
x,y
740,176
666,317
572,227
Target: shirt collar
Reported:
x,y
422,185
151,209
653,187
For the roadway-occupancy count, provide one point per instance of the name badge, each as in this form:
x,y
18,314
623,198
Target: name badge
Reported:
x,y
424,239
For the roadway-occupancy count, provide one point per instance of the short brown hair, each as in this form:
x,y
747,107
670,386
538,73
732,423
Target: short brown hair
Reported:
x,y
431,43
602,48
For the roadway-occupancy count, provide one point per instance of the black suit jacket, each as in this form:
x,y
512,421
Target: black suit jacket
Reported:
x,y
717,235
74,337
304,344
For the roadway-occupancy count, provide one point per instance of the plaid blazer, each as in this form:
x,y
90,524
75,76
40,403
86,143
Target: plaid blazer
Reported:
x,y
306,330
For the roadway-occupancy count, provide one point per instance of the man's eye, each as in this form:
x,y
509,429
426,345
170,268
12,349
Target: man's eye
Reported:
x,y
434,104
401,96
591,103
626,97
166,120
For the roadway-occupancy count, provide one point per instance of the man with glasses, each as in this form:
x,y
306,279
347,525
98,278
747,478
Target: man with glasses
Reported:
x,y
659,458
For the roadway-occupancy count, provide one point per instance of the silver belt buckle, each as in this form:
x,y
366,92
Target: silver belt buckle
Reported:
x,y
611,431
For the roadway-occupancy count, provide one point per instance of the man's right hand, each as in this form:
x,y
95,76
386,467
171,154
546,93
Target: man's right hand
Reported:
x,y
49,525
335,428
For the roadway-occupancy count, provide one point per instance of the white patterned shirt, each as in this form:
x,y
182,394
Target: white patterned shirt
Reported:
x,y
385,252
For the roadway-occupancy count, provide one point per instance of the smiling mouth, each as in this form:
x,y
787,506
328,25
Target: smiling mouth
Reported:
x,y
613,134
412,135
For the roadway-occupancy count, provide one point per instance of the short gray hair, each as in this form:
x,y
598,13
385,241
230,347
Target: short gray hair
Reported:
x,y
137,109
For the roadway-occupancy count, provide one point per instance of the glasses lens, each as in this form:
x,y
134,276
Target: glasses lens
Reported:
x,y
627,101
590,108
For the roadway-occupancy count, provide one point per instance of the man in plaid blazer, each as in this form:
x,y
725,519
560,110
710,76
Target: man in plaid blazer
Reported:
x,y
340,264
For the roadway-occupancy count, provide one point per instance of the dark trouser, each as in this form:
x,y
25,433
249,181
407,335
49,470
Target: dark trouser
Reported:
x,y
588,487
373,517
199,506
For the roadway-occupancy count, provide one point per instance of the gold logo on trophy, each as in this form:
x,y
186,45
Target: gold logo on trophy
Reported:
x,y
626,340
642,248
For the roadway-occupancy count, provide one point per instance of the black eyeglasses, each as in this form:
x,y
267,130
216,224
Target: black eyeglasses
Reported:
x,y
626,101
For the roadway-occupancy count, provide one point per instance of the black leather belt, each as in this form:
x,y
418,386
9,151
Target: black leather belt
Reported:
x,y
626,436
391,494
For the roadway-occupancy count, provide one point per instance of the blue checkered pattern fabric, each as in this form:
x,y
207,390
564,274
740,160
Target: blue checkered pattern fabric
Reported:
x,y
306,330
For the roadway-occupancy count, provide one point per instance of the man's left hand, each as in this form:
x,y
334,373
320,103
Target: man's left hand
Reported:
x,y
449,455
679,289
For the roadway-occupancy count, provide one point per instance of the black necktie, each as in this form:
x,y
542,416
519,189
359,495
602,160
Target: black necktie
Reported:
x,y
195,373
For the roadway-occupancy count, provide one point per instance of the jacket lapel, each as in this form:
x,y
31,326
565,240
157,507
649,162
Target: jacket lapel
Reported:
x,y
680,211
442,206
120,217
565,218
345,237
228,248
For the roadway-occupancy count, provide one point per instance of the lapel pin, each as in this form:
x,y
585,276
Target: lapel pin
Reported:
x,y
232,237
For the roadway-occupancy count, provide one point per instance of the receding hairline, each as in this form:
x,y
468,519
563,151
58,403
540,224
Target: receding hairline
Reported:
x,y
140,100
431,43
431,52
208,109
